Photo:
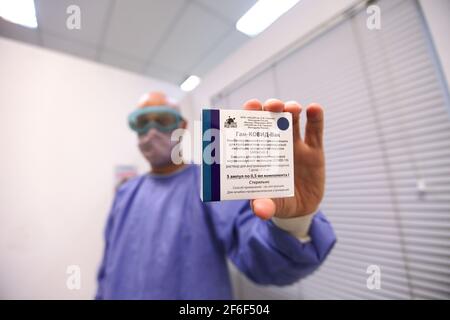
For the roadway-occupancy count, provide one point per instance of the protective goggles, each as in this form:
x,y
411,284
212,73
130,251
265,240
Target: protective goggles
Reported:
x,y
162,118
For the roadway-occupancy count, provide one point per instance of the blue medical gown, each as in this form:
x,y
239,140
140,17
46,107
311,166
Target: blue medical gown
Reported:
x,y
163,242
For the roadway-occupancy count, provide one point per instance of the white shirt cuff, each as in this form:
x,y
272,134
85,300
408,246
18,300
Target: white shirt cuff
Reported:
x,y
298,227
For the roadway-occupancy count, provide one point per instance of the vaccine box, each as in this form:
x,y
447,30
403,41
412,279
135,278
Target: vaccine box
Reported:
x,y
246,155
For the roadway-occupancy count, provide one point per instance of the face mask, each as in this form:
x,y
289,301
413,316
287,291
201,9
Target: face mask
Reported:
x,y
156,146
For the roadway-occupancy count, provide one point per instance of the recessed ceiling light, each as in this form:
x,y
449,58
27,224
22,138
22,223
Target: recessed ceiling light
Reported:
x,y
190,83
19,11
263,14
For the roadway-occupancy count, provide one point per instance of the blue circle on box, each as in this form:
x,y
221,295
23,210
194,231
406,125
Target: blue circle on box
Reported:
x,y
282,123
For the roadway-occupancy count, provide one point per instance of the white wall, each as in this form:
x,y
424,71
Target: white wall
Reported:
x,y
62,131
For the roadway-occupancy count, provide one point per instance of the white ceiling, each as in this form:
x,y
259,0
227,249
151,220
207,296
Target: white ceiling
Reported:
x,y
164,39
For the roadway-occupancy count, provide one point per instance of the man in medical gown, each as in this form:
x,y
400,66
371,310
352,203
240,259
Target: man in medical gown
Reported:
x,y
163,242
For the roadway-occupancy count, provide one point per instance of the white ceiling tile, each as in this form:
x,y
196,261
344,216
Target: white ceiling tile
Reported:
x,y
123,62
137,26
68,46
232,10
233,41
165,74
195,33
163,39
17,32
52,18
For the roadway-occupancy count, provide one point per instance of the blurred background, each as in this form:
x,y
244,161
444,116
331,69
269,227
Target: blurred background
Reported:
x,y
71,71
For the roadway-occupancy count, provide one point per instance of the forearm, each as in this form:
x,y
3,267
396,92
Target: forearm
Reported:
x,y
271,255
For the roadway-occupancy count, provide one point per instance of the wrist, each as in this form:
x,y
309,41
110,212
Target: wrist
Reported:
x,y
298,226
